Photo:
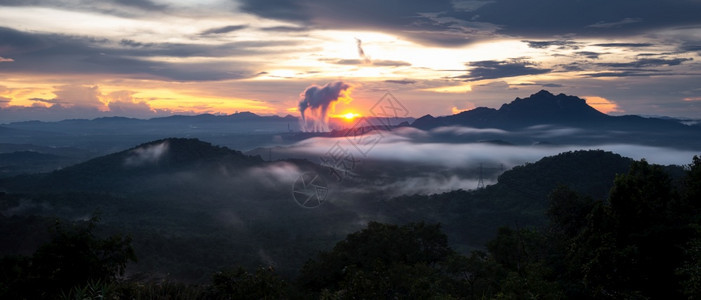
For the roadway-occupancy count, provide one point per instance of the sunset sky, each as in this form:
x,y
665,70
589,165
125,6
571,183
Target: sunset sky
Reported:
x,y
144,58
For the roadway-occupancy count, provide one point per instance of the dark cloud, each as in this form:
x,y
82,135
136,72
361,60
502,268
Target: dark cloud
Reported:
x,y
561,44
690,46
390,63
225,29
361,52
492,69
401,81
4,102
585,18
623,22
374,62
127,8
551,85
285,29
452,23
624,45
142,4
55,53
43,100
589,54
628,73
647,62
420,21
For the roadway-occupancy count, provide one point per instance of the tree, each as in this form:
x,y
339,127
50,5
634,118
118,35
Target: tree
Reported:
x,y
239,284
384,261
73,257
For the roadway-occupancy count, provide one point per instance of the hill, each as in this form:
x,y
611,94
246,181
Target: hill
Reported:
x,y
193,208
545,108
519,198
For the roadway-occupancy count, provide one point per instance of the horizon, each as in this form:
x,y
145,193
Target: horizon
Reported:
x,y
154,58
338,117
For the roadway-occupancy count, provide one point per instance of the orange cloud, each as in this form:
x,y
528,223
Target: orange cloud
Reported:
x,y
602,104
692,99
455,110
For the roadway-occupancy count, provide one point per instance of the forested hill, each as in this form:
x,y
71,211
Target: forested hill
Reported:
x,y
128,168
519,198
212,207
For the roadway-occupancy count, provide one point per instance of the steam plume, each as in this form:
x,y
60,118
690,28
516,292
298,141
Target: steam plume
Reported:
x,y
315,103
361,52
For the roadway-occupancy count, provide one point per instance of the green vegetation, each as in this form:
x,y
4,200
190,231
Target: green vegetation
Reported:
x,y
74,256
640,238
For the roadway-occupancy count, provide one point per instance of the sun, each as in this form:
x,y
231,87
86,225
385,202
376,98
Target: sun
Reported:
x,y
350,116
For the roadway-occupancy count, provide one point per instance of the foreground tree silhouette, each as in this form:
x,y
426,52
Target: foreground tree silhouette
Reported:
x,y
384,261
73,257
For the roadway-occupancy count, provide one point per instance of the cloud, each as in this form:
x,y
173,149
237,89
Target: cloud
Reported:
x,y
41,53
84,102
492,69
602,104
420,21
79,95
361,52
3,59
648,62
414,148
284,29
315,102
561,44
400,81
551,85
455,23
146,155
225,29
620,23
589,54
624,45
4,102
376,62
123,103
455,110
584,18
275,174
121,8
430,184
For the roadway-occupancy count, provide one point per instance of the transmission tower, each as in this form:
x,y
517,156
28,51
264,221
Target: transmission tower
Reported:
x,y
480,182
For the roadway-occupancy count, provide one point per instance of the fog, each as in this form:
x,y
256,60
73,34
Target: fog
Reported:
x,y
412,145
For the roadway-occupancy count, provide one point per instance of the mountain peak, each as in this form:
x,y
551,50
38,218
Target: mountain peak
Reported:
x,y
542,107
543,93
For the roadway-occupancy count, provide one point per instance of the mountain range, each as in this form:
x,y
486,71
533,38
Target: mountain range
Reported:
x,y
545,108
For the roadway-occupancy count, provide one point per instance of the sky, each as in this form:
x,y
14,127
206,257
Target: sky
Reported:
x,y
64,59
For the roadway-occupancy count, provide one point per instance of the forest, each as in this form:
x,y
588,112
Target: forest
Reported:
x,y
641,241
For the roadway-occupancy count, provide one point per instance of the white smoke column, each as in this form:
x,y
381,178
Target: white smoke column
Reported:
x,y
361,52
315,102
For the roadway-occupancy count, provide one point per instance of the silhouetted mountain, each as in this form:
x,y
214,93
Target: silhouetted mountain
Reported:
x,y
130,167
544,108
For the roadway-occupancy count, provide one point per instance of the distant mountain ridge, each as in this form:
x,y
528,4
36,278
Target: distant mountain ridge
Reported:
x,y
544,108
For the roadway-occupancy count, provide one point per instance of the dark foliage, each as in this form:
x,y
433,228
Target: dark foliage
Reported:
x,y
73,257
